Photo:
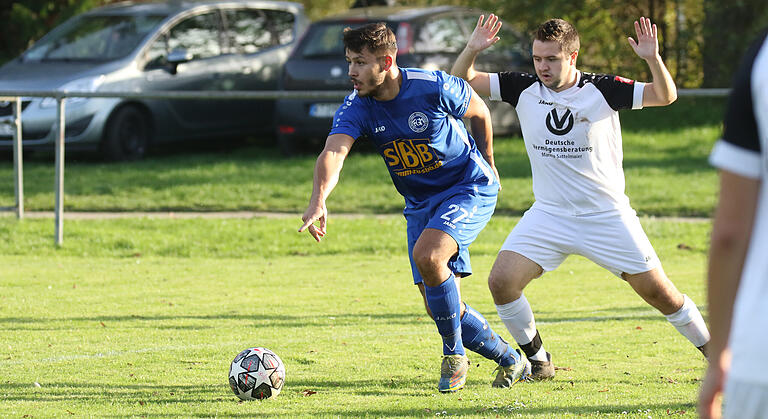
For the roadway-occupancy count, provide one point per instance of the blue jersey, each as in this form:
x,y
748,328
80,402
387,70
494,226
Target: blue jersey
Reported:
x,y
419,134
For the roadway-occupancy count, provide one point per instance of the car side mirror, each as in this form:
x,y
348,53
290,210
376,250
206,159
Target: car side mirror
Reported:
x,y
176,57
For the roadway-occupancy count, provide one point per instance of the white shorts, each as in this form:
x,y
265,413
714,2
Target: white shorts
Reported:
x,y
614,240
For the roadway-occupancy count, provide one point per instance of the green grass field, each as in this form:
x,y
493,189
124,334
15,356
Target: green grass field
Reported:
x,y
141,317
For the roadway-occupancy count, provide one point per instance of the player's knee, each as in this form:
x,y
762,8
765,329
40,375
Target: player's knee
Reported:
x,y
500,282
427,261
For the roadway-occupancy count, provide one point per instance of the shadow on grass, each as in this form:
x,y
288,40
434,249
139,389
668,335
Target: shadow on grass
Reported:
x,y
309,320
147,398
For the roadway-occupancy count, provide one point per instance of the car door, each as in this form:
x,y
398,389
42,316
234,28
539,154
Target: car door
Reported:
x,y
259,41
200,37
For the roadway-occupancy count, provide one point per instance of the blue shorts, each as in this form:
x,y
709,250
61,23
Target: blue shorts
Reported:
x,y
461,212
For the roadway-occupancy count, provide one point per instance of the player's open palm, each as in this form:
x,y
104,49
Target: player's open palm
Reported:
x,y
647,44
484,34
314,214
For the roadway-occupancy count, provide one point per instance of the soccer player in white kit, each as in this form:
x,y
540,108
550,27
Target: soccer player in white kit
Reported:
x,y
570,125
738,267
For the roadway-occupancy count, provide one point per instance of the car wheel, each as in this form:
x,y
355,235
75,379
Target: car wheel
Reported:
x,y
126,135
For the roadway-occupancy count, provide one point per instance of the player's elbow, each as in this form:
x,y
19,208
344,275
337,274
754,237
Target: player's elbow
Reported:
x,y
672,96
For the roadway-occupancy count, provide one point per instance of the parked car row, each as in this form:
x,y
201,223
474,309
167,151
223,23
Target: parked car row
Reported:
x,y
235,45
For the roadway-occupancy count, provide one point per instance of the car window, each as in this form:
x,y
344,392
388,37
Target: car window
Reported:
x,y
199,35
324,41
94,38
282,25
157,53
511,45
440,34
252,30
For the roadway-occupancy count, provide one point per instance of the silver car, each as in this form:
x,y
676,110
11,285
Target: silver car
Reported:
x,y
146,47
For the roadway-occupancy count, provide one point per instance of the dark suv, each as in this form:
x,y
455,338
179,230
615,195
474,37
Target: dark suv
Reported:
x,y
428,37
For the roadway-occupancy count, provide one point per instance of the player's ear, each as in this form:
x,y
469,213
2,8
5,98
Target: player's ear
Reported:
x,y
387,62
574,54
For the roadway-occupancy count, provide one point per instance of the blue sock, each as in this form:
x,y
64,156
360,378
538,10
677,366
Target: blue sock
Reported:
x,y
478,336
443,300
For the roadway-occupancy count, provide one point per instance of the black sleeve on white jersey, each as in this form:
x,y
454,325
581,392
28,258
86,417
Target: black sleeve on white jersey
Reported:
x,y
616,90
740,125
512,84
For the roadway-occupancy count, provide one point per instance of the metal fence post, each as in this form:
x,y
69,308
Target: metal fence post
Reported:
x,y
59,188
18,171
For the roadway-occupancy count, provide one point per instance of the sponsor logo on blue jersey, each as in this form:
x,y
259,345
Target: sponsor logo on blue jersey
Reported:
x,y
406,157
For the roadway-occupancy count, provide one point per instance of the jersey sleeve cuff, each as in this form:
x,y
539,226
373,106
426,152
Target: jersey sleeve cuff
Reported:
x,y
735,159
495,86
637,95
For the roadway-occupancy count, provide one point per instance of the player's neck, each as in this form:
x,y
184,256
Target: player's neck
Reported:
x,y
391,86
572,80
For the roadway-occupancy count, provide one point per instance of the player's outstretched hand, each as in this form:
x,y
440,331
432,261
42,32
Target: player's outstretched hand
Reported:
x,y
647,44
312,214
484,34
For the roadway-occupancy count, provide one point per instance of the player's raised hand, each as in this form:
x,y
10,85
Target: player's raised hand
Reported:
x,y
314,213
647,44
484,34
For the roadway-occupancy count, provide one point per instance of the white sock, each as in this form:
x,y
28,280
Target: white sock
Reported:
x,y
689,323
517,316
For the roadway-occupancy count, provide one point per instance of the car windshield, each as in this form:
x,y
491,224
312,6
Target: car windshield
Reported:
x,y
324,41
94,38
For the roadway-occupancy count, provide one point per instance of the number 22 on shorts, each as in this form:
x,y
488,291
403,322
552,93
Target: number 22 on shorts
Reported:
x,y
455,214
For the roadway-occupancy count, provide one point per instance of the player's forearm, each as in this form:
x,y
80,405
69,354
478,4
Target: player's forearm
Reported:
x,y
327,170
663,84
731,232
482,131
724,273
464,66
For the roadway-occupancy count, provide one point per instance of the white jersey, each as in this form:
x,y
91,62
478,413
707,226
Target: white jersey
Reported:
x,y
743,150
573,138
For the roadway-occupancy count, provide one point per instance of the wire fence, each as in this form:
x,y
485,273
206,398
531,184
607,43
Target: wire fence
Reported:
x,y
15,97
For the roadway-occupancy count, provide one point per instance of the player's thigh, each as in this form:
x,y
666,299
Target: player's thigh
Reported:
x,y
617,242
745,400
544,238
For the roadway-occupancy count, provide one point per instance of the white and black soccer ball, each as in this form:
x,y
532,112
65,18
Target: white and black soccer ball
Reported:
x,y
256,373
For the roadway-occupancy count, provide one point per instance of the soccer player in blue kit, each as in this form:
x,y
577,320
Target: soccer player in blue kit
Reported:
x,y
448,180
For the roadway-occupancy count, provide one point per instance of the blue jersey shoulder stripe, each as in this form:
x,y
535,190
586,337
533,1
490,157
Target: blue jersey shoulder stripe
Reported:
x,y
417,75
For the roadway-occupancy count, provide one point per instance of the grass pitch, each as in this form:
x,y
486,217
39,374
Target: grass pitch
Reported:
x,y
141,318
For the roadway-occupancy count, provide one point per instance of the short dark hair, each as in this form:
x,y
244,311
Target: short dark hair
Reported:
x,y
377,37
560,31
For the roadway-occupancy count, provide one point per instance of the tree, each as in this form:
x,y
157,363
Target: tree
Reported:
x,y
25,22
728,29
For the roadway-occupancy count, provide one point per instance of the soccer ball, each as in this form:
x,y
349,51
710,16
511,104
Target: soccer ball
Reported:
x,y
256,373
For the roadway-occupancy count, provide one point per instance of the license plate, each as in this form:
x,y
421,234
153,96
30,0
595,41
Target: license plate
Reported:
x,y
323,110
